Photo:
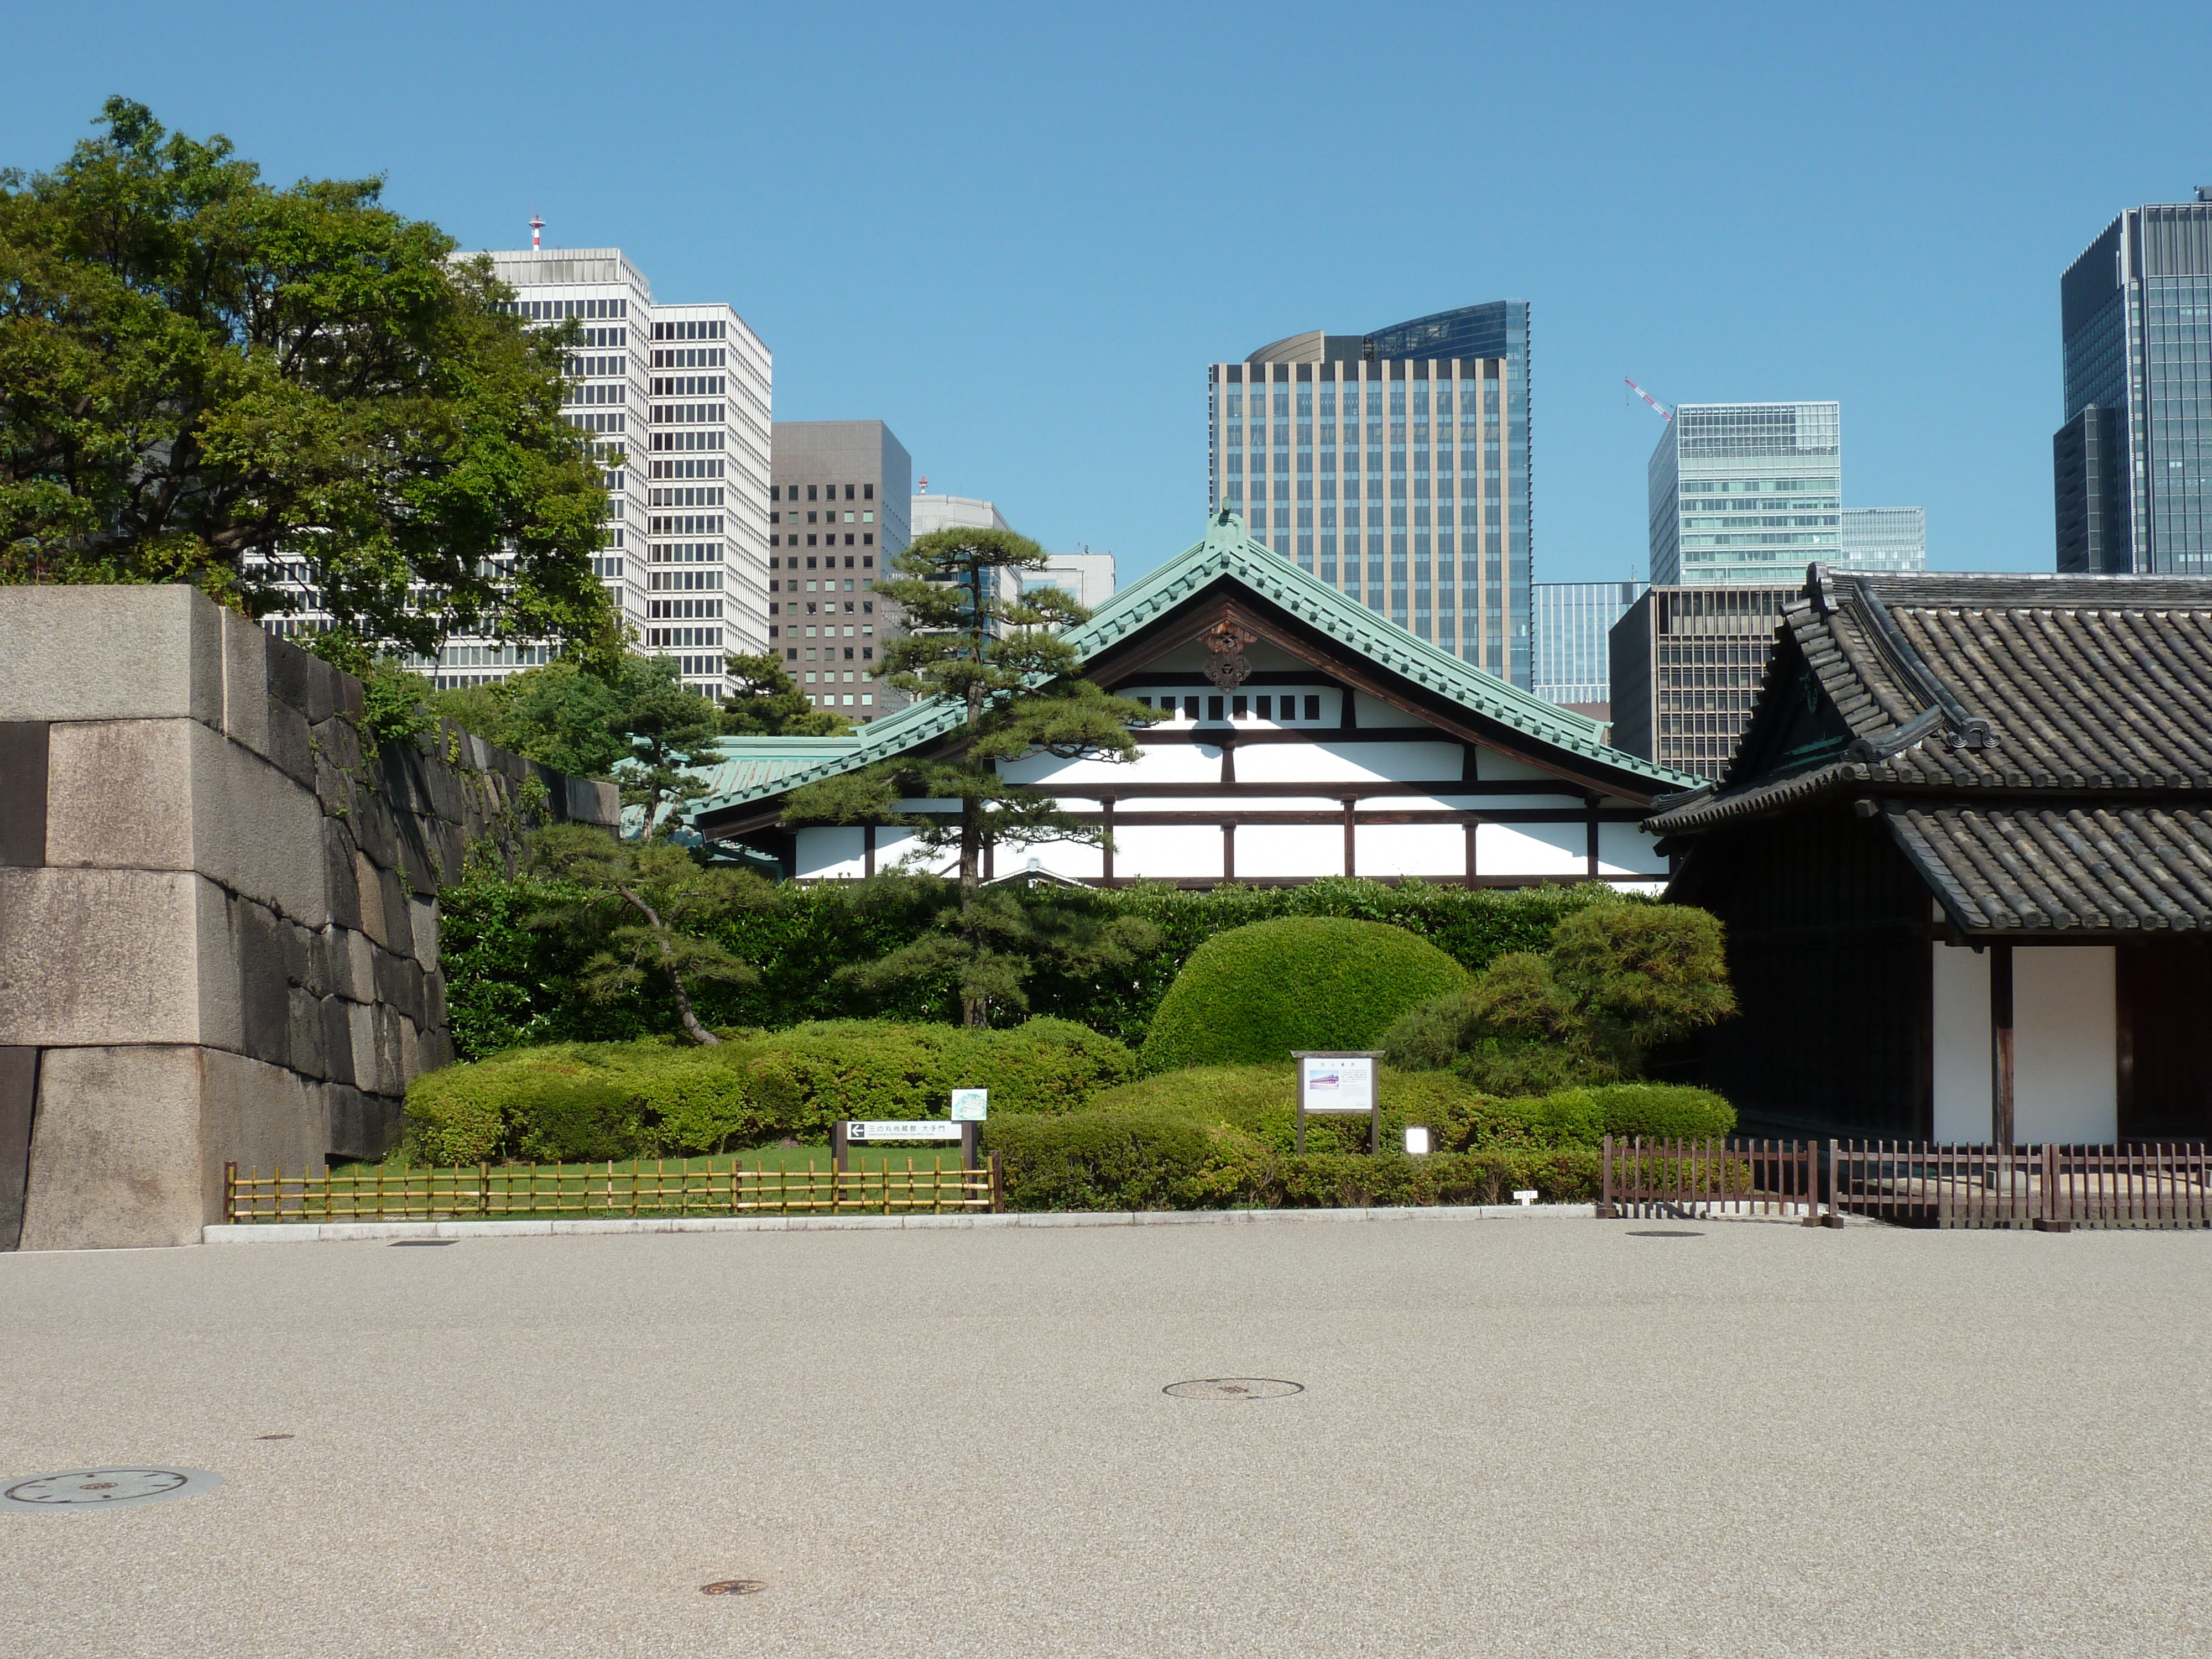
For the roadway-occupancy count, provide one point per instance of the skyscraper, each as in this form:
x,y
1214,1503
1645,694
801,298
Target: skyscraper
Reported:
x,y
842,489
1439,540
676,400
2132,467
1884,538
1571,663
1743,493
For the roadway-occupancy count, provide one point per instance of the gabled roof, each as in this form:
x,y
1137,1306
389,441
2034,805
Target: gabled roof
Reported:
x,y
1226,553
2001,682
2040,747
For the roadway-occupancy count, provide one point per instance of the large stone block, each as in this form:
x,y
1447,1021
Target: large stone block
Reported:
x,y
592,802
302,681
115,1152
398,925
303,1042
19,1082
92,956
362,1125
368,883
336,1018
176,795
341,879
93,653
423,922
245,682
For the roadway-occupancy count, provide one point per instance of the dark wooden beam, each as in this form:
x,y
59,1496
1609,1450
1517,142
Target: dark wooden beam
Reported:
x,y
2001,1047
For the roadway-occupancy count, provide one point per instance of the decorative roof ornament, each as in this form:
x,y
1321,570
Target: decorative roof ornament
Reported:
x,y
1225,529
1230,667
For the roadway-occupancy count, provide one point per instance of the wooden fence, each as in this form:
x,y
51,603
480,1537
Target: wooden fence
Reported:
x,y
491,1192
1683,1178
2053,1189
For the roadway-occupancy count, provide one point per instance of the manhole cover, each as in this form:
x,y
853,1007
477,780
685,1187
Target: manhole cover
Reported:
x,y
735,1587
1663,1234
1233,1388
96,1489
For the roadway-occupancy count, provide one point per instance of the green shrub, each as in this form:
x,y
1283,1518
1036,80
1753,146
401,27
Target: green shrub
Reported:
x,y
1658,1110
1262,993
1121,1160
1565,1175
583,1102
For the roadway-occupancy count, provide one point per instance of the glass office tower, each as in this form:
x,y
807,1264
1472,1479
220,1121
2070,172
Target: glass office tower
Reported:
x,y
1884,538
2132,464
1407,485
1572,660
1746,493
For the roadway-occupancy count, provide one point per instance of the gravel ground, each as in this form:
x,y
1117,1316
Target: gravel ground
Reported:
x,y
1515,1438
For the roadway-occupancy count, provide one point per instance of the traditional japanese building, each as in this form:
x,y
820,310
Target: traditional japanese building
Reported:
x,y
1305,737
1965,857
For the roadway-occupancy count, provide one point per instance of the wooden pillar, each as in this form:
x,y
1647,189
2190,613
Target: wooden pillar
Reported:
x,y
1229,852
837,1145
2001,1049
1590,837
1472,825
1350,803
1106,849
868,849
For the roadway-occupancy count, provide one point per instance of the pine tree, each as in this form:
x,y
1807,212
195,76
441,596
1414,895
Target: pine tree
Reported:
x,y
972,636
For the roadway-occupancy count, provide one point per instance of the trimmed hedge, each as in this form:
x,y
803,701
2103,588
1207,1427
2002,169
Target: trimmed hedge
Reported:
x,y
1262,991
508,984
587,1102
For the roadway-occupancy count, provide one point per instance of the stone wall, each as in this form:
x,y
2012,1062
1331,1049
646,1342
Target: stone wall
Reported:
x,y
218,920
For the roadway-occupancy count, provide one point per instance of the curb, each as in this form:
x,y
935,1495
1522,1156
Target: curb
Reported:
x,y
313,1232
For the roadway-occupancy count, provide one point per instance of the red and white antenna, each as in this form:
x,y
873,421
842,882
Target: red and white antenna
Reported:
x,y
1658,408
924,490
537,224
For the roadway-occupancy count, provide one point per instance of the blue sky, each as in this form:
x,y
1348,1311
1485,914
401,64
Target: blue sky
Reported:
x,y
1018,234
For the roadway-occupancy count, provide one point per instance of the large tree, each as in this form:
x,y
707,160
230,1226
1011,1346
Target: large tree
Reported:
x,y
207,379
768,702
972,636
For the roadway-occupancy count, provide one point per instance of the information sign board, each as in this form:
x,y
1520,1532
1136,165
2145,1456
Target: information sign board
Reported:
x,y
901,1129
1337,1082
971,1105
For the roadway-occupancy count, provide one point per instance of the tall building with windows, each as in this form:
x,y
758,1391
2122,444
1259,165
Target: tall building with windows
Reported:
x,y
1571,622
1746,493
2132,466
1408,485
676,399
1686,664
1085,577
838,505
1884,538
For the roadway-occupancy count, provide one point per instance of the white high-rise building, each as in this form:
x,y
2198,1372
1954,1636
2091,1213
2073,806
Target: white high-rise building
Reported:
x,y
1885,538
1746,493
1085,577
678,400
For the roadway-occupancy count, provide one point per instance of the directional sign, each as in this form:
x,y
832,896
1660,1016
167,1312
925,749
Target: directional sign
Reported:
x,y
901,1129
970,1105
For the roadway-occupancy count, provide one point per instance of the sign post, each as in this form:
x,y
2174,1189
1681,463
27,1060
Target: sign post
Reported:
x,y
969,1108
1341,1080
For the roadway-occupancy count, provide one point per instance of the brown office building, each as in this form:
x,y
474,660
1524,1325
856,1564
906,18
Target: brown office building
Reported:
x,y
837,511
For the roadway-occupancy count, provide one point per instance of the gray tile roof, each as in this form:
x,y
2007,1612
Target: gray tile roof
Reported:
x,y
1227,551
2034,742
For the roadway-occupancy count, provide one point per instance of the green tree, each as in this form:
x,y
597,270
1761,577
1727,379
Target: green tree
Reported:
x,y
209,381
973,637
769,703
648,909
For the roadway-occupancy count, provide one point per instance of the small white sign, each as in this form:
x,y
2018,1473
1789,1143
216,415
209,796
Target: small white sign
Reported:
x,y
1524,1196
1337,1085
926,1128
970,1105
1417,1140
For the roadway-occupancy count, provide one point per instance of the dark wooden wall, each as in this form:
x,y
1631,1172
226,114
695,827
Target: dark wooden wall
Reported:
x,y
1828,950
2165,996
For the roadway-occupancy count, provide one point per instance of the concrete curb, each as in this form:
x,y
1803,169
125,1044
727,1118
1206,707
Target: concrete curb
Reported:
x,y
290,1232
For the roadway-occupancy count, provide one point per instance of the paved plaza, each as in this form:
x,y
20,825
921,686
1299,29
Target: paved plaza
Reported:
x,y
1539,1437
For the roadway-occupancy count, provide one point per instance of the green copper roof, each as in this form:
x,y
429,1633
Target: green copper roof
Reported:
x,y
1227,551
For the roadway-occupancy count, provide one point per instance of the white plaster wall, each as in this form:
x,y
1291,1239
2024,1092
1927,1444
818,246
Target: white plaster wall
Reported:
x,y
1349,763
1288,850
1409,849
1168,850
1961,980
1531,850
1373,712
2065,1081
1624,849
831,849
1060,858
1494,767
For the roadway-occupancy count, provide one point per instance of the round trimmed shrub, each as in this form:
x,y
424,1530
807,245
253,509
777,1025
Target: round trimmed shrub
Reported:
x,y
1258,994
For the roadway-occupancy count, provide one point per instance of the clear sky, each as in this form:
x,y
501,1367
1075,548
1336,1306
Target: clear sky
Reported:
x,y
1018,234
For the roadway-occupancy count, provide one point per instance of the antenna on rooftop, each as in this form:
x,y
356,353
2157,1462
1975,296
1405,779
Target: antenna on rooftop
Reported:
x,y
537,224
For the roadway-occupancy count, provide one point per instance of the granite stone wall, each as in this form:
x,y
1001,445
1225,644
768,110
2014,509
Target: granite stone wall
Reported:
x,y
218,917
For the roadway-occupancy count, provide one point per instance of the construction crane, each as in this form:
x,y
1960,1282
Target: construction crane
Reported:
x,y
1658,408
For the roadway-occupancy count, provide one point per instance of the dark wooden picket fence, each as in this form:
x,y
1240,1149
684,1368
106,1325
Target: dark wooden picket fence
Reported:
x,y
2052,1188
